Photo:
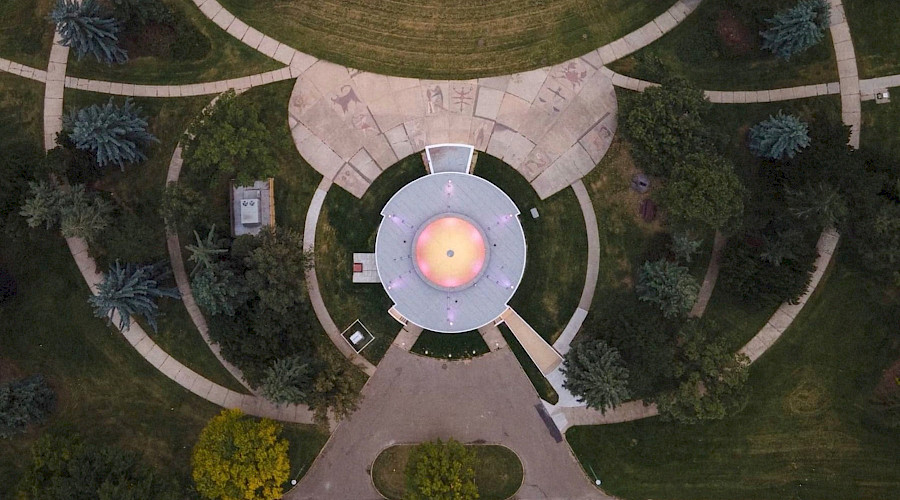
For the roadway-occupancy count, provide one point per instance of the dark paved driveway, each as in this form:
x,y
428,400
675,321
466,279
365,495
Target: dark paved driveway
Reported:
x,y
412,398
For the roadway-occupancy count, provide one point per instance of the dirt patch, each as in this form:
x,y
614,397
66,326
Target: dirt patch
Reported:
x,y
736,38
9,370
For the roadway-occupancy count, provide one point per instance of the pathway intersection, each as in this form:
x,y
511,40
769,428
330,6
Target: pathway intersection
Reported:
x,y
551,124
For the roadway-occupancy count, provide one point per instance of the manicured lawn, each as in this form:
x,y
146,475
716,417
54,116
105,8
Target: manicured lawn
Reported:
x,y
875,28
696,50
498,471
450,345
804,433
348,225
557,250
446,38
540,383
226,56
305,443
881,128
25,34
138,190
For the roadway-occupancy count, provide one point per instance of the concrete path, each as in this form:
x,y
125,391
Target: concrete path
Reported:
x,y
712,274
851,108
541,353
53,90
184,283
413,398
312,283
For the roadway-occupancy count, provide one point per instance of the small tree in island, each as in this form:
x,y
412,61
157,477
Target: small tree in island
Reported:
x,y
595,373
441,471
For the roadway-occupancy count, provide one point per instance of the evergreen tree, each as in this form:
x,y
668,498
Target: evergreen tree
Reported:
x,y
182,206
86,29
669,286
41,207
288,381
130,290
595,373
779,136
206,252
82,216
820,203
114,134
218,290
794,30
684,247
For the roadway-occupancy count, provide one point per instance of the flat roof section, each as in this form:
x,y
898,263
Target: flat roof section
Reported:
x,y
466,306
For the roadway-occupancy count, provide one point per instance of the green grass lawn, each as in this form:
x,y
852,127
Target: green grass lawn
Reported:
x,y
498,471
25,34
875,28
540,383
348,225
446,38
718,48
226,57
804,433
450,345
881,128
305,443
557,250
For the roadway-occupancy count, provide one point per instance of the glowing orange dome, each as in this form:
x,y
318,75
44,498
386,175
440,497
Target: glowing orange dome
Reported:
x,y
450,252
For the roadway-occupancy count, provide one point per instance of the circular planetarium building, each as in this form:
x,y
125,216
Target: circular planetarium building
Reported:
x,y
450,251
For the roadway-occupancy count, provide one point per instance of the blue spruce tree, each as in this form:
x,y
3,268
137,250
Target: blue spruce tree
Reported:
x,y
83,27
794,30
779,136
115,134
130,290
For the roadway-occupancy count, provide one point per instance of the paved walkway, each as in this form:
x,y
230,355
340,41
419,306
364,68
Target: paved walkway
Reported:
x,y
851,108
312,283
414,398
184,283
712,275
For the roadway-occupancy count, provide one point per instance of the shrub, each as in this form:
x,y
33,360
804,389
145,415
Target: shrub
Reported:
x,y
22,402
218,290
684,247
441,471
130,290
183,207
666,124
779,270
779,136
63,466
711,378
229,141
669,286
237,457
596,374
703,191
794,30
86,29
206,252
114,134
79,214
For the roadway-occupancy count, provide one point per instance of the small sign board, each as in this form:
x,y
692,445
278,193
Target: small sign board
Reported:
x,y
358,336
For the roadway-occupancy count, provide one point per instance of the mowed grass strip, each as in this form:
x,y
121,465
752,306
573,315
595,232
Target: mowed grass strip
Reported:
x,y
25,33
498,471
446,38
804,433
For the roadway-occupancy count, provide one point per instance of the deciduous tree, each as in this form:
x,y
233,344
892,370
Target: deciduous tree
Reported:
x,y
703,191
240,458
